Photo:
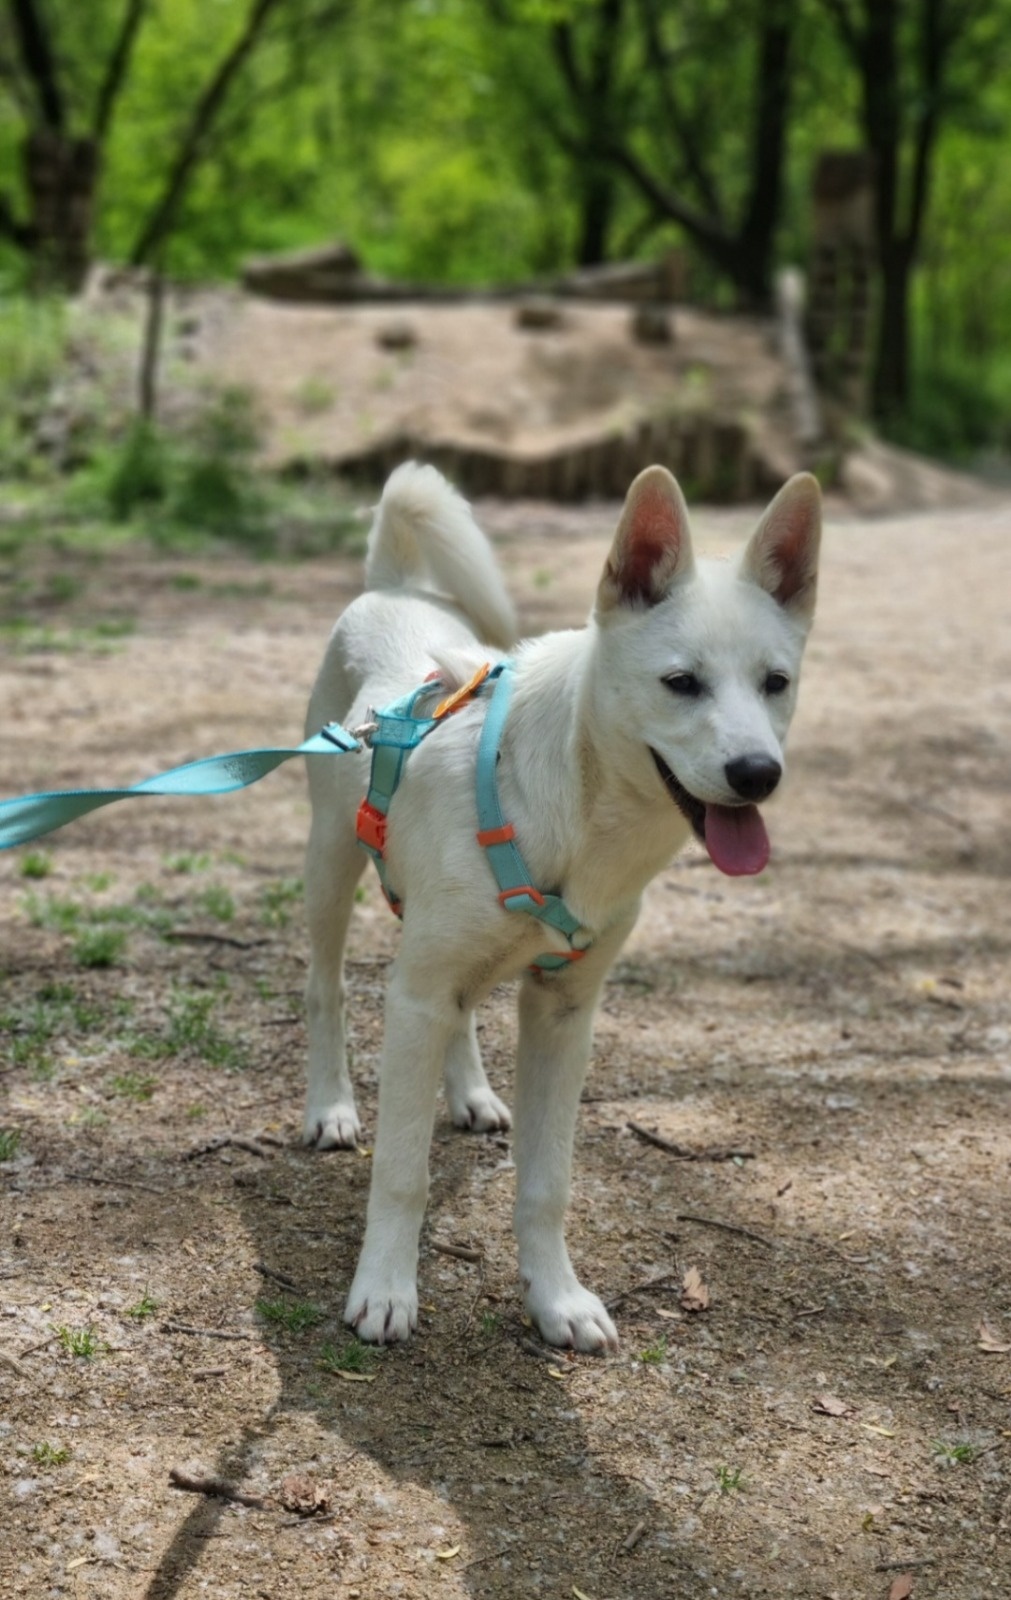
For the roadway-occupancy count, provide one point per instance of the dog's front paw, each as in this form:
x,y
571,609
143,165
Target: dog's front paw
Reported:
x,y
480,1111
333,1128
573,1318
382,1315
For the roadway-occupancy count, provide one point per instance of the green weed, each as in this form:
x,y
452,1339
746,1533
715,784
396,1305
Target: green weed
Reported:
x,y
292,1316
654,1354
728,1479
277,899
133,1086
10,1139
99,947
218,903
354,1356
146,1306
36,864
50,1455
187,862
192,1031
952,1454
81,1342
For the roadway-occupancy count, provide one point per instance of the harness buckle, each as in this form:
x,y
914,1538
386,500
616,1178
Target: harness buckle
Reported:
x,y
525,892
370,826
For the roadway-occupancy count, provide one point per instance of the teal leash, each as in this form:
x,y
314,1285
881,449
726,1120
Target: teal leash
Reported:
x,y
35,814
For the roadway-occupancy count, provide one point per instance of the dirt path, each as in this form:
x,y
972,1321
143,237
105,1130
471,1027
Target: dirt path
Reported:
x,y
843,1021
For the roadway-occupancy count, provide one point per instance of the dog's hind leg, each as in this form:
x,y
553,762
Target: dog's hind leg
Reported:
x,y
334,865
473,1103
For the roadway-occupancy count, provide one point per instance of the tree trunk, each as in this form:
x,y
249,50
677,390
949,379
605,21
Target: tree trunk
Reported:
x,y
61,175
891,362
595,214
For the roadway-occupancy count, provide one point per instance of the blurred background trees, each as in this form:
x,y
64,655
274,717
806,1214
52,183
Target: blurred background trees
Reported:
x,y
478,141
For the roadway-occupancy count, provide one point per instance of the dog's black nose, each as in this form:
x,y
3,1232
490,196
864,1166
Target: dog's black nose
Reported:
x,y
753,777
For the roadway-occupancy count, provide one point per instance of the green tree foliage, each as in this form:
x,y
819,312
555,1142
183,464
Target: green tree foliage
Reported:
x,y
475,141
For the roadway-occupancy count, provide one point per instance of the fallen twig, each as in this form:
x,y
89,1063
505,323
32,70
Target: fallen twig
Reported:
x,y
12,1362
459,1252
628,1545
276,1277
204,1333
684,1152
667,1280
112,1183
224,1141
727,1227
216,1488
195,935
540,1350
905,1561
200,1373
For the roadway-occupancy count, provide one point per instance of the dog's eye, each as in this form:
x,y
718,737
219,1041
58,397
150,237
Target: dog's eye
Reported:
x,y
685,683
776,682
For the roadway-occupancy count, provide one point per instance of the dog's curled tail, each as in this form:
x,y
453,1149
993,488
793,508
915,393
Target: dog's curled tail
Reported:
x,y
424,530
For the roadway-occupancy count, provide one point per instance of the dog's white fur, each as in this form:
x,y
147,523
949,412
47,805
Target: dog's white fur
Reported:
x,y
592,815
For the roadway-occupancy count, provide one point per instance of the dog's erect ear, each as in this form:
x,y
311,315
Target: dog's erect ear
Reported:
x,y
652,546
782,553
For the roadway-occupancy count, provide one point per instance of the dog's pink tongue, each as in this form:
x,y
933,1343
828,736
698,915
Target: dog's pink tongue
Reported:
x,y
736,839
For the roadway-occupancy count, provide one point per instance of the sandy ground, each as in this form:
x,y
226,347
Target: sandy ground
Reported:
x,y
835,1426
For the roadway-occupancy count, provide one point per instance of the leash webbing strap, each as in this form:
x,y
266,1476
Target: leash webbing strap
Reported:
x,y
34,814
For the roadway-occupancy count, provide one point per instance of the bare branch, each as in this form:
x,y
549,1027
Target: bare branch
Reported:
x,y
39,62
686,134
193,146
116,71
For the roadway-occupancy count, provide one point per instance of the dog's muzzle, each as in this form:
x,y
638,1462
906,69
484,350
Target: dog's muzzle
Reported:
x,y
692,810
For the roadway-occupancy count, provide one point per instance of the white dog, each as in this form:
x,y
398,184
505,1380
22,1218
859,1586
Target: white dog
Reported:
x,y
665,715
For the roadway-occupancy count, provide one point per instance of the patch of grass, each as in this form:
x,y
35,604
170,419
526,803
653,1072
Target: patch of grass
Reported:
x,y
728,1479
146,1306
188,862
361,894
218,903
354,1356
99,947
53,912
50,1455
187,582
191,1030
81,1342
36,864
957,1453
491,1322
292,1316
10,1139
314,395
654,1354
277,899
138,1086
98,882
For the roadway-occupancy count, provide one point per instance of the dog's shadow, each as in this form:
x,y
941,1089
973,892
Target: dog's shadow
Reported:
x,y
472,1458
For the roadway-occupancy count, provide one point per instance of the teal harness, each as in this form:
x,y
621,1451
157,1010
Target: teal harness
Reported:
x,y
399,729
393,734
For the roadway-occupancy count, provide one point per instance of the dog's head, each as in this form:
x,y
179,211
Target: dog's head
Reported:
x,y
699,661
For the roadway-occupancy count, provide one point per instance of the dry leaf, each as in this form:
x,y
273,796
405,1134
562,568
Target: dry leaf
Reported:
x,y
302,1494
447,1555
991,1341
829,1406
694,1293
902,1587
